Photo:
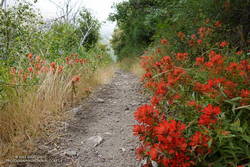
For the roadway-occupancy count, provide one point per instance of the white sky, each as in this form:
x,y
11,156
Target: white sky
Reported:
x,y
99,8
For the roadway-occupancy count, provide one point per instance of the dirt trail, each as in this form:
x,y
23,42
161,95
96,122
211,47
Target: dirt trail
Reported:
x,y
100,135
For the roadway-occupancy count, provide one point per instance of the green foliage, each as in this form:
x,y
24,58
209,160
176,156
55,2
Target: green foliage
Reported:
x,y
174,83
61,40
64,38
137,22
189,30
23,31
145,21
88,29
19,32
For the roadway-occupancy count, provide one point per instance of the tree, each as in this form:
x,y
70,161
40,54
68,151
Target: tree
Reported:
x,y
88,29
19,28
1,3
138,20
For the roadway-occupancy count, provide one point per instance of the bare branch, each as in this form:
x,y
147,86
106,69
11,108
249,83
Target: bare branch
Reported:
x,y
86,34
2,2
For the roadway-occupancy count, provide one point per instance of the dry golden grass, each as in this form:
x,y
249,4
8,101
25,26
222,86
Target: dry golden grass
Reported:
x,y
137,69
132,65
104,74
28,116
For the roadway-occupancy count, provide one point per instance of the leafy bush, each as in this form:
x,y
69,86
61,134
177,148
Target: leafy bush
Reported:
x,y
23,31
19,32
142,22
199,109
44,68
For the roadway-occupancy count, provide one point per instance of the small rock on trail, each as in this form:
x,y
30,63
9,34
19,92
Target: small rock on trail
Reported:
x,y
100,134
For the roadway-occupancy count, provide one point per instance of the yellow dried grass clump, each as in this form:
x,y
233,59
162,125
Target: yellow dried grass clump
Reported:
x,y
137,69
132,65
27,116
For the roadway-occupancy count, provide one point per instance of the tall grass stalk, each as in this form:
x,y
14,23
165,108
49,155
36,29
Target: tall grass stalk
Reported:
x,y
30,112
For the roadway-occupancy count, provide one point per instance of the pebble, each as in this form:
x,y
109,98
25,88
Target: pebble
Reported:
x,y
99,100
127,108
70,153
94,141
108,133
122,149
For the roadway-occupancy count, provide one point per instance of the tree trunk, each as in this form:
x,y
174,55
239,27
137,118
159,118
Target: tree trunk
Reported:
x,y
1,4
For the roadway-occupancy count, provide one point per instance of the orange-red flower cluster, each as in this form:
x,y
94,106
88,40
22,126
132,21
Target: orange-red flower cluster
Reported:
x,y
175,81
209,115
76,79
36,66
181,56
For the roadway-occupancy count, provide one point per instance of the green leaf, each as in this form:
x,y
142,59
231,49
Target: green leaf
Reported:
x,y
210,142
246,138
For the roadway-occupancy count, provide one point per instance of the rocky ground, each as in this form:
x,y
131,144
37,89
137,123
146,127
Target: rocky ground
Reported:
x,y
100,133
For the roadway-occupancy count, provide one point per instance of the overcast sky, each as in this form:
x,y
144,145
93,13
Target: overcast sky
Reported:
x,y
99,8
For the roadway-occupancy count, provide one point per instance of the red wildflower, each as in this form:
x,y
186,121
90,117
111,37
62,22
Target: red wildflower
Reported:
x,y
176,96
211,53
203,32
76,79
199,143
38,66
25,76
60,68
199,41
30,55
140,152
181,56
234,68
215,63
224,44
166,59
169,133
44,69
217,24
147,75
199,60
172,142
161,88
239,52
77,60
53,65
191,43
158,50
164,41
245,93
217,59
193,36
175,76
153,153
67,59
82,61
245,65
30,69
209,115
138,130
155,100
193,104
146,114
166,63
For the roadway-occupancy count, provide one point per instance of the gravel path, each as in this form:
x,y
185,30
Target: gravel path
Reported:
x,y
100,134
